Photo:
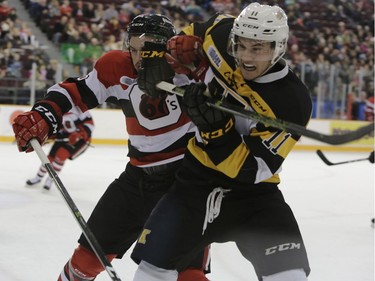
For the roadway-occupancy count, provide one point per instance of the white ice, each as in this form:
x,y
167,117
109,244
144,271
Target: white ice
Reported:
x,y
333,204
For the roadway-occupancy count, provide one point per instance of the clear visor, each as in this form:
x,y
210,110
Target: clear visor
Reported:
x,y
242,48
143,38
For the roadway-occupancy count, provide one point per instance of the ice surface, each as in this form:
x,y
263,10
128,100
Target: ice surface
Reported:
x,y
334,206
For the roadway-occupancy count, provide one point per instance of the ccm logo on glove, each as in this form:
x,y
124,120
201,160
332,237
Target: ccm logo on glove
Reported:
x,y
152,54
218,133
49,115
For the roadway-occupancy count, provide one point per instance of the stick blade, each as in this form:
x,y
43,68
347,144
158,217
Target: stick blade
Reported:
x,y
324,159
351,136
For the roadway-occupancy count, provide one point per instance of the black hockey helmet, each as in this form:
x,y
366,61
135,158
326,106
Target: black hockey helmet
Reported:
x,y
158,26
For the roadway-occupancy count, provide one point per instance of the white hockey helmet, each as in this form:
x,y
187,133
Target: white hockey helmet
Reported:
x,y
261,23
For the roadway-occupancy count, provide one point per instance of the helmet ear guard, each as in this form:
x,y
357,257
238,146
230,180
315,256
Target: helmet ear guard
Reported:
x,y
261,23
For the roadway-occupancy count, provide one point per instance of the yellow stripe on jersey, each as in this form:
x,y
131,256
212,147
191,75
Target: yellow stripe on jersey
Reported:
x,y
230,166
274,179
235,80
188,30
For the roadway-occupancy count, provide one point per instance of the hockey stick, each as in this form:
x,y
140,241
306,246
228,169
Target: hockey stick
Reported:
x,y
329,163
277,123
77,214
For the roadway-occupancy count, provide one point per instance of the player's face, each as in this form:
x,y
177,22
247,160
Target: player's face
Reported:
x,y
136,44
254,57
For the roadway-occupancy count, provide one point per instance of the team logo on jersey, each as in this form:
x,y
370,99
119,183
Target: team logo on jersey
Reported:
x,y
125,80
230,77
214,56
154,114
153,108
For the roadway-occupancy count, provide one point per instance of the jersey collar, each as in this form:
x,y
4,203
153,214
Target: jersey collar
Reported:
x,y
273,76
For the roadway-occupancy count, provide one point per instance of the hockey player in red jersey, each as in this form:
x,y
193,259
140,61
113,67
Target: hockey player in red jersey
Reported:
x,y
71,141
227,188
158,134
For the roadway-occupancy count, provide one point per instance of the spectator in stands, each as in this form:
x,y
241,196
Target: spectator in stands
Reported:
x,y
57,32
114,28
195,11
99,13
112,44
89,11
36,10
54,8
51,71
72,33
110,12
5,10
125,16
66,9
96,31
15,66
358,107
77,10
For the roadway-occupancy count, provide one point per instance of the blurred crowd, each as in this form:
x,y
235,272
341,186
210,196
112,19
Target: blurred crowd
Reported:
x,y
330,41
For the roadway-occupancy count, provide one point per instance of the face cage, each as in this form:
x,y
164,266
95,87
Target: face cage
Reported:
x,y
279,48
155,39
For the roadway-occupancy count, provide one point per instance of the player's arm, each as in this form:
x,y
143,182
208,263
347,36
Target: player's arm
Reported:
x,y
44,119
221,143
248,158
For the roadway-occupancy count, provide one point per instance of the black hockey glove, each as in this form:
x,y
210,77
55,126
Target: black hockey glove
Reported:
x,y
212,123
154,68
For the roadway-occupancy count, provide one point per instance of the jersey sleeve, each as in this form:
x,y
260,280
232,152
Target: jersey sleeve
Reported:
x,y
87,122
98,86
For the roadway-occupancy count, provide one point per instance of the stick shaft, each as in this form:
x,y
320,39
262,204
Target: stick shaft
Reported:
x,y
277,123
76,213
329,163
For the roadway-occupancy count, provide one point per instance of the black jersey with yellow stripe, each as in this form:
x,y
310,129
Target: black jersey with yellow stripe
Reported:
x,y
257,155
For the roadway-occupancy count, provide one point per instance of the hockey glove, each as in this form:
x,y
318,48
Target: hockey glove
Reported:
x,y
212,123
154,68
81,134
186,56
42,122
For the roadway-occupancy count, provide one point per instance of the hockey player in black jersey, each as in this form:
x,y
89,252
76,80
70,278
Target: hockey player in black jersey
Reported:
x,y
227,188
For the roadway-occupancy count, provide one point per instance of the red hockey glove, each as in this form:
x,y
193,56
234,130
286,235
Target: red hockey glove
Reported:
x,y
77,136
186,56
185,48
40,123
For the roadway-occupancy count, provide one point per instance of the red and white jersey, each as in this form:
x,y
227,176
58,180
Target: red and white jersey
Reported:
x,y
158,129
74,119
